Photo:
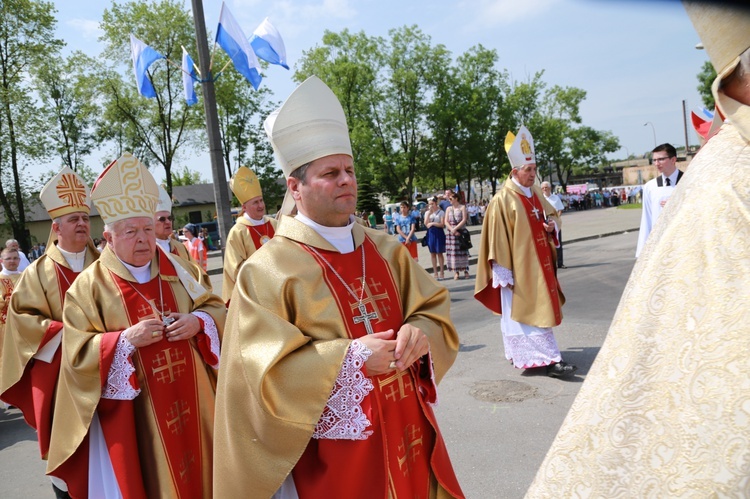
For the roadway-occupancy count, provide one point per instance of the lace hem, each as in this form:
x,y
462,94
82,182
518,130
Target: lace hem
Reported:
x,y
209,328
342,418
118,379
501,276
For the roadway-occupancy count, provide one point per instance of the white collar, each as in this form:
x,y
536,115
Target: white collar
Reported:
x,y
339,237
254,221
526,190
141,274
75,260
5,271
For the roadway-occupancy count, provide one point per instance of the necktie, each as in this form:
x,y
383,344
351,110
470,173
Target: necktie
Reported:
x,y
669,182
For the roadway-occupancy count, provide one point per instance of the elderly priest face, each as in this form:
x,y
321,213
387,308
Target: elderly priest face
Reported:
x,y
133,240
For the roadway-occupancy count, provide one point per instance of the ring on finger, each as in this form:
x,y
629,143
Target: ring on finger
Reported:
x,y
392,365
156,334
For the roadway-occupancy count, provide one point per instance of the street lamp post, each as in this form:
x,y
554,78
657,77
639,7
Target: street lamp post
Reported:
x,y
653,130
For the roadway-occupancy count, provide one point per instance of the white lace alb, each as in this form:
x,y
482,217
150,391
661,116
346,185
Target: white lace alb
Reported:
x,y
342,418
209,328
118,379
501,276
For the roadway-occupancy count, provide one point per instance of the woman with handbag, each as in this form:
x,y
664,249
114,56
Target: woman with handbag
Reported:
x,y
405,228
457,254
434,220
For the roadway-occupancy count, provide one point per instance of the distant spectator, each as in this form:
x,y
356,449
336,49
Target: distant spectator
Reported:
x,y
372,220
13,244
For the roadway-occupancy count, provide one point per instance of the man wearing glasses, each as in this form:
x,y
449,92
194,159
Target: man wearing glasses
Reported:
x,y
656,192
163,227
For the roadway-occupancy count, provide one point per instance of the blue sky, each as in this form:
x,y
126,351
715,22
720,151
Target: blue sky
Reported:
x,y
635,59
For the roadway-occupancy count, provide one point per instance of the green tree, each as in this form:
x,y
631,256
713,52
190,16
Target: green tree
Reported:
x,y
164,124
367,200
706,78
70,104
186,176
350,64
26,37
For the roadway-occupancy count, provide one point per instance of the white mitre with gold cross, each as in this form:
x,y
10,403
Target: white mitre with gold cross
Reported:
x,y
125,189
520,148
65,193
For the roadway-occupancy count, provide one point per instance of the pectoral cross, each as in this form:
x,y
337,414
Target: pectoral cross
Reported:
x,y
535,211
365,317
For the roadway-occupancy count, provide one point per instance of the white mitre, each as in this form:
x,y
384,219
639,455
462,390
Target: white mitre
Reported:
x,y
520,148
125,189
165,202
311,124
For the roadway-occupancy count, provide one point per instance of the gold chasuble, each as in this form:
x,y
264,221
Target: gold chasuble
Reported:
x,y
243,240
514,238
290,324
160,442
665,408
33,322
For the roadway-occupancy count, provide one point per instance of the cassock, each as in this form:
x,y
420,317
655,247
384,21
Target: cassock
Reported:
x,y
289,401
243,240
665,408
8,282
515,242
31,353
655,192
152,432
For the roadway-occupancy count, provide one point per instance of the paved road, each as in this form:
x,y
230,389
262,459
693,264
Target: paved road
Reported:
x,y
498,422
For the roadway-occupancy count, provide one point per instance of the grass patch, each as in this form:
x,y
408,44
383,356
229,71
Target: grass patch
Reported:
x,y
634,206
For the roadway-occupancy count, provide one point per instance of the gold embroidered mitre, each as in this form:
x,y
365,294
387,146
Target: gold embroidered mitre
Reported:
x,y
125,189
165,202
311,124
245,185
520,148
65,193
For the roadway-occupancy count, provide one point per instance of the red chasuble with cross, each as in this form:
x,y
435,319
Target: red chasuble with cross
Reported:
x,y
157,441
405,447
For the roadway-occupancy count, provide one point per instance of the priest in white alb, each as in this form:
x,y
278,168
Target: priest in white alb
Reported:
x,y
516,275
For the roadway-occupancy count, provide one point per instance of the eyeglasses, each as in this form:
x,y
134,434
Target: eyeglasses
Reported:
x,y
164,219
659,160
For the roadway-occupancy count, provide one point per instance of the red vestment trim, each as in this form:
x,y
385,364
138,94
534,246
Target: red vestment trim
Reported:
x,y
169,371
406,445
256,233
8,286
544,255
34,394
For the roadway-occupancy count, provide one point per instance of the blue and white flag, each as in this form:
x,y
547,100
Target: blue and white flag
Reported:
x,y
143,57
268,45
230,37
188,78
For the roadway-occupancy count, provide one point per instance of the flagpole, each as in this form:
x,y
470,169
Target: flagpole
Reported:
x,y
221,194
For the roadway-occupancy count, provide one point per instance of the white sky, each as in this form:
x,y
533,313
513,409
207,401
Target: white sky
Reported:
x,y
636,59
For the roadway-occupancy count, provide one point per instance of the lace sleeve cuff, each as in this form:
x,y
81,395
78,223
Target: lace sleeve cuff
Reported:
x,y
118,380
342,418
210,330
501,276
